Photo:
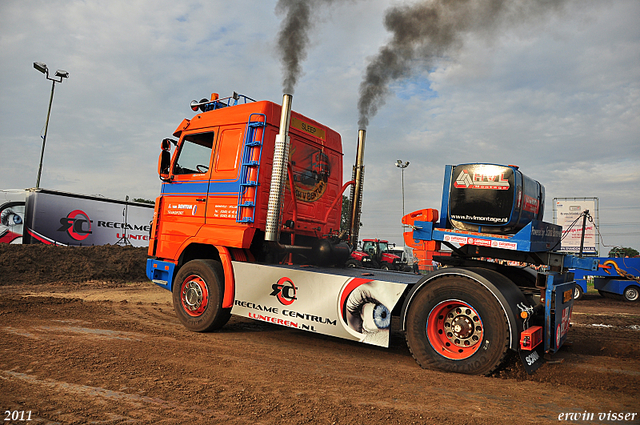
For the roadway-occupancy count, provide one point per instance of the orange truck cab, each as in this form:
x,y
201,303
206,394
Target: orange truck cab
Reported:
x,y
216,180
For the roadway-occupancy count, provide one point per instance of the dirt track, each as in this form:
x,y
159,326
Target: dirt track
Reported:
x,y
97,352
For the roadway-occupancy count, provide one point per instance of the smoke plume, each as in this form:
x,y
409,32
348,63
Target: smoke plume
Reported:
x,y
429,30
293,37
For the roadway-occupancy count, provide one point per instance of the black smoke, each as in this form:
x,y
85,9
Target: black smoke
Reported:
x,y
427,31
293,37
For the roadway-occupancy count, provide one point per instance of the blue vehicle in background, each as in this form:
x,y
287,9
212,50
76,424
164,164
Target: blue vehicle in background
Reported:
x,y
620,276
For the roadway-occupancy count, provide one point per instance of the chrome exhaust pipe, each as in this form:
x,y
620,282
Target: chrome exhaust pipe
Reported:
x,y
279,173
356,190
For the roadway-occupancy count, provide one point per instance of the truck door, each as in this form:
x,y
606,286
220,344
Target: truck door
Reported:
x,y
186,196
225,166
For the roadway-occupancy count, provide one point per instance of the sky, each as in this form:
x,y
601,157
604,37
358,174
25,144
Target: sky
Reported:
x,y
556,93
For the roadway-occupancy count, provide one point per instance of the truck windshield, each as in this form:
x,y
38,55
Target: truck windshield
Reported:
x,y
384,247
194,154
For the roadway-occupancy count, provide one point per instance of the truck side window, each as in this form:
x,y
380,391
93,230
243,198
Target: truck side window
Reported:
x,y
194,154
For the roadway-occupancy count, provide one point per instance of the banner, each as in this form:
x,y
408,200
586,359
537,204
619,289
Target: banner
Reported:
x,y
58,218
569,210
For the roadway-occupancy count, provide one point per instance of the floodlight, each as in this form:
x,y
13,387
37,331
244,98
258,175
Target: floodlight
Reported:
x,y
59,76
41,67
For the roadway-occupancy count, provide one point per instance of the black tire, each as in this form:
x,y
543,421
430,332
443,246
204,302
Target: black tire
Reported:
x,y
385,266
197,296
632,293
578,293
352,264
481,339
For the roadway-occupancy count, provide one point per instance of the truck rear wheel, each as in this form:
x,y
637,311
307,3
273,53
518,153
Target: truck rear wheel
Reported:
x,y
197,296
456,325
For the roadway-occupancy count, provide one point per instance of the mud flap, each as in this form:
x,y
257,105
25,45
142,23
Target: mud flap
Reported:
x,y
558,319
532,360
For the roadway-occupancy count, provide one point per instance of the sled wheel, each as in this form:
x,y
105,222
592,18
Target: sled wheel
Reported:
x,y
197,296
456,325
577,292
631,293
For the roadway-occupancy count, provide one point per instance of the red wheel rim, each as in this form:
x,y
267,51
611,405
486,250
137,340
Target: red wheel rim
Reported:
x,y
194,295
454,329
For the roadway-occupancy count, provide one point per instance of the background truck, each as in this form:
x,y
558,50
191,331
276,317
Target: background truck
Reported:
x,y
68,219
248,223
618,276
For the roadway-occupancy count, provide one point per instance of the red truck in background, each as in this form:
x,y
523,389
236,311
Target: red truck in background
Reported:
x,y
248,223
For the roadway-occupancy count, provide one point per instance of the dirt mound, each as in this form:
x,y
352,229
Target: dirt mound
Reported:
x,y
38,264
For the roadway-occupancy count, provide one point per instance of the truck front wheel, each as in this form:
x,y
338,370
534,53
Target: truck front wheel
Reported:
x,y
454,324
197,296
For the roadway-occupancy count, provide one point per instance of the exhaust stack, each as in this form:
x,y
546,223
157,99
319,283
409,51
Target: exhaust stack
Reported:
x,y
279,173
356,192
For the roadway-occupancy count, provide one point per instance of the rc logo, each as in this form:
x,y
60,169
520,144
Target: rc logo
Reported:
x,y
77,224
285,291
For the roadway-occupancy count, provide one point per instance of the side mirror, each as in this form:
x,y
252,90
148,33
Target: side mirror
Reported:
x,y
164,161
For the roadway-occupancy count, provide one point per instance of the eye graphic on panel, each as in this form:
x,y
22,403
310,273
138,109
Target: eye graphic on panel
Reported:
x,y
11,222
365,309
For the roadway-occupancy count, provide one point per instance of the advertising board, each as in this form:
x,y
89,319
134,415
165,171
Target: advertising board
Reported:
x,y
58,218
568,211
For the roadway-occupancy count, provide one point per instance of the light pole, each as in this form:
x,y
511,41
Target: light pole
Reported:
x,y
402,166
60,74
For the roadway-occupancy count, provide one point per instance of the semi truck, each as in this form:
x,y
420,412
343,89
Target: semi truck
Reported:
x,y
247,223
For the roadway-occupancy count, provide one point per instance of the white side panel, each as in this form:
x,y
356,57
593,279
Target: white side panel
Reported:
x,y
346,307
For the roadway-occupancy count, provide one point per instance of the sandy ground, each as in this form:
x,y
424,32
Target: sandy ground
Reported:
x,y
115,353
